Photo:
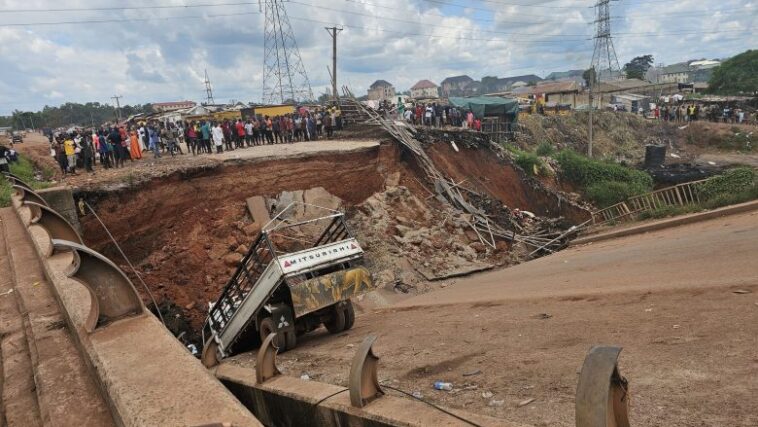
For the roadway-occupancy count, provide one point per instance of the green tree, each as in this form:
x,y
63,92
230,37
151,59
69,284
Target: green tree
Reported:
x,y
637,67
737,75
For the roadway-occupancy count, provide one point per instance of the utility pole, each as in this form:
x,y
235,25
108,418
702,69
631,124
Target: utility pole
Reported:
x,y
592,101
118,106
333,31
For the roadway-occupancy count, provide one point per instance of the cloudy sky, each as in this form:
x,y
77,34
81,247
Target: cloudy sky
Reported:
x,y
153,51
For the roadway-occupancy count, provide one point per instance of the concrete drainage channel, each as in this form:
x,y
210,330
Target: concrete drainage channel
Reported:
x,y
115,324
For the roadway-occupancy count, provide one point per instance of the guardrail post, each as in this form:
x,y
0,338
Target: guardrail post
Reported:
x,y
363,381
22,194
112,294
265,364
54,224
602,396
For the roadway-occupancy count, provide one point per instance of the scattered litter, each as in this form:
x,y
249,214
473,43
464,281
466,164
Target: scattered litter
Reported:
x,y
472,373
417,395
305,377
6,293
676,156
526,402
193,349
455,147
350,345
439,385
543,316
487,394
741,291
712,163
648,310
35,284
676,326
496,403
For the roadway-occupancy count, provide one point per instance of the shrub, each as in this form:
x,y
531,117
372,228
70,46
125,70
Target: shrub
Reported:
x,y
607,193
667,211
731,182
545,149
529,162
584,171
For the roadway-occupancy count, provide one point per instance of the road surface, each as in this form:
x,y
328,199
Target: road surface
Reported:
x,y
668,298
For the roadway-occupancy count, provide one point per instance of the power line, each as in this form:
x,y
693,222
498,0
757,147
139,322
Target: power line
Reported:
x,y
88,9
108,21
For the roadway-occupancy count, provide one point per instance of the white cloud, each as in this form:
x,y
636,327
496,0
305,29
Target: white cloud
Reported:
x,y
401,41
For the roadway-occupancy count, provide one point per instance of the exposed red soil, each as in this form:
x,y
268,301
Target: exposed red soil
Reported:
x,y
179,229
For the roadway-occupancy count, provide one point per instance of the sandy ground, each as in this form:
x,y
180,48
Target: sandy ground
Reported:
x,y
149,167
690,342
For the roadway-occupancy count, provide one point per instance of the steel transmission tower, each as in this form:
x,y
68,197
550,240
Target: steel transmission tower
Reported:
x,y
604,59
284,76
208,90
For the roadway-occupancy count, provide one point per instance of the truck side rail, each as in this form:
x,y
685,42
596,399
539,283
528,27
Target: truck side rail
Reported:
x,y
241,283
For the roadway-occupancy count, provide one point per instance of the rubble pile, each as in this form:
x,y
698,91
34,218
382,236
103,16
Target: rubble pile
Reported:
x,y
438,243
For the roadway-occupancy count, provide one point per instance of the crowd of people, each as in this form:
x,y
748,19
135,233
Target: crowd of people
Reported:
x,y
694,112
112,146
434,115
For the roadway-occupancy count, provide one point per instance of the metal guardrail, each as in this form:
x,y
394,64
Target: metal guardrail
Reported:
x,y
678,195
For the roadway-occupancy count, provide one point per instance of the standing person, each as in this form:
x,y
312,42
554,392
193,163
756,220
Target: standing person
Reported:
x,y
311,125
296,127
88,154
269,130
191,139
205,130
70,150
240,130
249,133
227,134
154,142
60,156
142,135
328,125
134,148
114,139
102,148
276,128
218,138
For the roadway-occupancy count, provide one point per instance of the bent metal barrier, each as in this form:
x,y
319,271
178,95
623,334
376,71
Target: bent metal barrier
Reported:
x,y
128,352
678,195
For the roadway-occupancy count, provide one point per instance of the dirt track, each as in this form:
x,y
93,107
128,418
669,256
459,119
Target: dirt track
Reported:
x,y
690,343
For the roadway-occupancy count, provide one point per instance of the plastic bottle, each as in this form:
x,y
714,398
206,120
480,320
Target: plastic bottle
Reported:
x,y
439,385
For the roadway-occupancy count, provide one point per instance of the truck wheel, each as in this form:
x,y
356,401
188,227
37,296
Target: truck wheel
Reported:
x,y
349,315
291,339
267,327
336,324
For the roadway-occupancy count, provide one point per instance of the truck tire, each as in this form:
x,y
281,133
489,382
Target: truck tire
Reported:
x,y
266,327
349,315
336,324
290,339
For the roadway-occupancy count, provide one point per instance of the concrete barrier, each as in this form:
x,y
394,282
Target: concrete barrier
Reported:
x,y
146,376
288,401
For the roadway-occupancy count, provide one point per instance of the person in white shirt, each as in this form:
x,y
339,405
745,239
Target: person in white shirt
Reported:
x,y
218,138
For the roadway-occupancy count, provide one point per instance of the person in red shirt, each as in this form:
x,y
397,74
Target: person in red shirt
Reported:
x,y
240,129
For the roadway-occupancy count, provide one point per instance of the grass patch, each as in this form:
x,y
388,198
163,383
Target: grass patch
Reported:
x,y
604,183
25,170
669,211
545,149
734,186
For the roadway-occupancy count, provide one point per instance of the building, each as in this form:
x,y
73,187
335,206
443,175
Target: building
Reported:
x,y
676,73
381,90
554,93
499,85
454,86
425,89
162,107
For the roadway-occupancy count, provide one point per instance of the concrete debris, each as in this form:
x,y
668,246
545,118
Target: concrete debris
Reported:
x,y
525,402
